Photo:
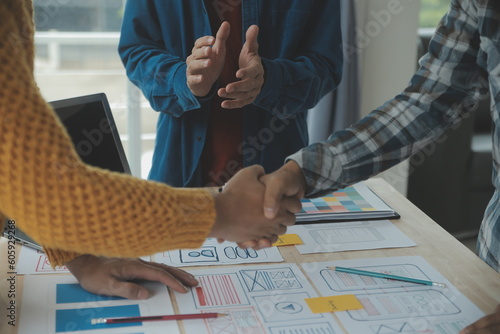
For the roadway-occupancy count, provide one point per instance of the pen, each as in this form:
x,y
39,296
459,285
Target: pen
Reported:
x,y
156,318
387,276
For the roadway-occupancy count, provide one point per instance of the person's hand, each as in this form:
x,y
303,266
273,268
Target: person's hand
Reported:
x,y
288,181
489,324
115,276
206,61
239,214
256,245
250,74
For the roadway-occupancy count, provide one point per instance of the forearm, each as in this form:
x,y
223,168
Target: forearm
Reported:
x,y
441,93
102,213
376,143
292,86
159,71
66,205
162,79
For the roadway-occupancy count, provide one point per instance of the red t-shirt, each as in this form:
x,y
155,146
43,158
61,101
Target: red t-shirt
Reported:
x,y
221,159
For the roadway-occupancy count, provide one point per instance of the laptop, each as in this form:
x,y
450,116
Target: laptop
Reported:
x,y
90,124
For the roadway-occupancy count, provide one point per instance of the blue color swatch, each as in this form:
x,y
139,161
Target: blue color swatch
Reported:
x,y
74,293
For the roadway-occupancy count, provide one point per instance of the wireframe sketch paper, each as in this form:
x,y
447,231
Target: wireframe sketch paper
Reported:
x,y
395,306
32,261
256,299
356,202
338,237
57,304
214,253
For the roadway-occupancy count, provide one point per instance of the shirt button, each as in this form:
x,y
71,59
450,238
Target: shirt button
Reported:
x,y
198,138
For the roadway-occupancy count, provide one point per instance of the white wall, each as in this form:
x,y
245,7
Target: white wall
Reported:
x,y
387,45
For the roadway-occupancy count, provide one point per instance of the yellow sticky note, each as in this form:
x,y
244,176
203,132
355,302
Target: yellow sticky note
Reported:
x,y
288,239
333,303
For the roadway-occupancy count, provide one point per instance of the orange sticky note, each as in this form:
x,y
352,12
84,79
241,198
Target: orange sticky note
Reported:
x,y
333,303
288,239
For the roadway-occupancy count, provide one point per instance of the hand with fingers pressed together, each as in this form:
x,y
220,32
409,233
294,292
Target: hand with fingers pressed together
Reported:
x,y
120,276
206,61
250,75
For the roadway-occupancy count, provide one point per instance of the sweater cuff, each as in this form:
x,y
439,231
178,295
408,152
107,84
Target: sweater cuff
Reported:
x,y
198,212
58,257
271,89
3,220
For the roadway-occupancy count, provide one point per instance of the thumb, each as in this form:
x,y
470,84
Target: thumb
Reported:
x,y
251,45
221,37
272,196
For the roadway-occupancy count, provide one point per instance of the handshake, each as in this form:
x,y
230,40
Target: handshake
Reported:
x,y
254,208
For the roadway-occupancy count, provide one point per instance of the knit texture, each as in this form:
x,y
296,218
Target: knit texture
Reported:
x,y
69,207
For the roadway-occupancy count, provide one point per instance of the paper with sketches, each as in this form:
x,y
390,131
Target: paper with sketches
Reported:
x,y
57,304
32,261
395,306
213,253
257,299
338,237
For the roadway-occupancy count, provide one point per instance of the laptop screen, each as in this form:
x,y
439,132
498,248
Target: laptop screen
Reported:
x,y
90,124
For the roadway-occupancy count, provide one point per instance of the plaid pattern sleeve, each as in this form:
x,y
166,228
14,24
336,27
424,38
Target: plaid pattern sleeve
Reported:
x,y
461,68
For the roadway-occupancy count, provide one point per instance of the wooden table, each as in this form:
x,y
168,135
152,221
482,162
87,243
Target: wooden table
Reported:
x,y
469,274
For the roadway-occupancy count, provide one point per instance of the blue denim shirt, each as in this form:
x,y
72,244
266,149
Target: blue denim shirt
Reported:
x,y
301,50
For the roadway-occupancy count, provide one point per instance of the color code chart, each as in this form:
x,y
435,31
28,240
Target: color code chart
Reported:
x,y
356,202
345,200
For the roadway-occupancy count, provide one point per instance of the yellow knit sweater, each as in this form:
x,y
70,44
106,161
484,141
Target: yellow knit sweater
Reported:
x,y
65,205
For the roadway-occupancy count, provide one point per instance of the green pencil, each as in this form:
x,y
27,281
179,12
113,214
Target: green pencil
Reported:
x,y
386,276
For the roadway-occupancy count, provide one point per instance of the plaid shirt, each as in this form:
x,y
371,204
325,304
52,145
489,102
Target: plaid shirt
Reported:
x,y
462,65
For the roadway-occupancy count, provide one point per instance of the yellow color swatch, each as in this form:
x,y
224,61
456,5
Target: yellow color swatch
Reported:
x,y
288,239
333,303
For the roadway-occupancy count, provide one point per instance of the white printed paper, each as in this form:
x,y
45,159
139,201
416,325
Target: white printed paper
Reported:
x,y
32,261
57,304
256,299
338,237
214,253
395,306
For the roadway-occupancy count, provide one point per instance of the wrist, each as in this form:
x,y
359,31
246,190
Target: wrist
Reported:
x,y
220,204
204,94
77,263
295,175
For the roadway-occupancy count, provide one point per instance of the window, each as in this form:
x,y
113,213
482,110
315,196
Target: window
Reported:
x,y
432,11
88,15
76,54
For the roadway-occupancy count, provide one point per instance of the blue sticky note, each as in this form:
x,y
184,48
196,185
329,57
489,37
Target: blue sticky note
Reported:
x,y
74,293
